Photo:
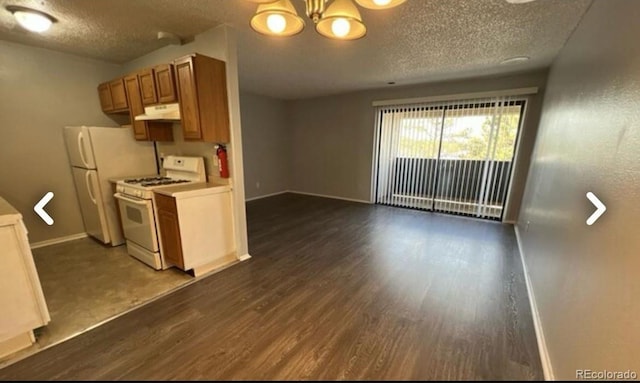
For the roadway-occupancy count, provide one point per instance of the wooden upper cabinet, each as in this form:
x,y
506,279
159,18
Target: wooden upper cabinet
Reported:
x,y
144,130
189,108
147,87
118,95
165,83
135,108
106,103
202,93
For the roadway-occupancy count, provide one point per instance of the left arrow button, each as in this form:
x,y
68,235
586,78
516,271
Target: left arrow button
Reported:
x,y
39,208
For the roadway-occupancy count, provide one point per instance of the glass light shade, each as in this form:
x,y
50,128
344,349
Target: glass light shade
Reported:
x,y
379,4
340,27
276,23
32,20
277,18
342,21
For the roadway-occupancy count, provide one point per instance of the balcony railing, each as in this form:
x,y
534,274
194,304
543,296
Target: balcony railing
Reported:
x,y
472,187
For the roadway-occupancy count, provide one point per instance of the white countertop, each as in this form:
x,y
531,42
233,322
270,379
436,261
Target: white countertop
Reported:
x,y
192,190
8,214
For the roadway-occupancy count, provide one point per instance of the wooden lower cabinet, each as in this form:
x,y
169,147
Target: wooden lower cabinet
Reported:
x,y
169,230
196,228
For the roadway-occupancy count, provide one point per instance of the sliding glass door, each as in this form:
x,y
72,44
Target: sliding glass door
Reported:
x,y
452,157
408,153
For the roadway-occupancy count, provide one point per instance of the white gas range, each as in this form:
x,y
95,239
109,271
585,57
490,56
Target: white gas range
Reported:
x,y
137,211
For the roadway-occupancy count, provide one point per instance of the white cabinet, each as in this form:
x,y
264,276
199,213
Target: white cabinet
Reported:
x,y
21,297
195,224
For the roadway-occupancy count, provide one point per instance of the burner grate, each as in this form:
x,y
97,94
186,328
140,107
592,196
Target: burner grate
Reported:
x,y
146,180
165,181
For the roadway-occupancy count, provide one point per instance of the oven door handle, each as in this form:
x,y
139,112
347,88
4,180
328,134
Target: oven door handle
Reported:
x,y
141,202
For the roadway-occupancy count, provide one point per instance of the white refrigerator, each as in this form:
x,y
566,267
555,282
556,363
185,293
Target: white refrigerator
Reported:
x,y
98,154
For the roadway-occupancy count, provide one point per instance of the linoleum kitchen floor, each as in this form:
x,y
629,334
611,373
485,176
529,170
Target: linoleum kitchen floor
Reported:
x,y
85,283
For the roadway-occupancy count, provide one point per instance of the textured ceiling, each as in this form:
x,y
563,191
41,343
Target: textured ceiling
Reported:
x,y
112,30
420,41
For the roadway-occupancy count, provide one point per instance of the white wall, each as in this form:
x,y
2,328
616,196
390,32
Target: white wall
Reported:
x,y
586,279
267,145
333,135
41,92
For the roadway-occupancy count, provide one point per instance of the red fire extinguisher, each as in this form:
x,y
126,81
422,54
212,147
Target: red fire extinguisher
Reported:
x,y
223,164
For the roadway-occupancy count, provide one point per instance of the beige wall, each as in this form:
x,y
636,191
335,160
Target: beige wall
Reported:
x,y
267,145
586,279
41,91
332,136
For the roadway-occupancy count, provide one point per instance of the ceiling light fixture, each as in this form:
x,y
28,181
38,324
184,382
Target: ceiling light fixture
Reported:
x,y
336,19
277,18
379,4
30,19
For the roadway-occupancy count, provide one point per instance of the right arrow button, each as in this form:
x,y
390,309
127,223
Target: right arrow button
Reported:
x,y
600,208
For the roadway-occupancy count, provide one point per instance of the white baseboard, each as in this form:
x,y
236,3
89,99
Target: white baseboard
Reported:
x,y
245,257
266,195
305,193
55,241
330,196
547,368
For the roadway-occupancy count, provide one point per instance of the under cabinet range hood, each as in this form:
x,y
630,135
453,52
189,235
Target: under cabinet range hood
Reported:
x,y
168,112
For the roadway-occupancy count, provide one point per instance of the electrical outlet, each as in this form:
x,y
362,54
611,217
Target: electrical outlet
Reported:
x,y
258,185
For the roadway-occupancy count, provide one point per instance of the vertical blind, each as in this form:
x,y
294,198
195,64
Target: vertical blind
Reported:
x,y
452,156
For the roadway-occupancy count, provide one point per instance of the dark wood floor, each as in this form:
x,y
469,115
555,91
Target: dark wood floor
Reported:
x,y
335,290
